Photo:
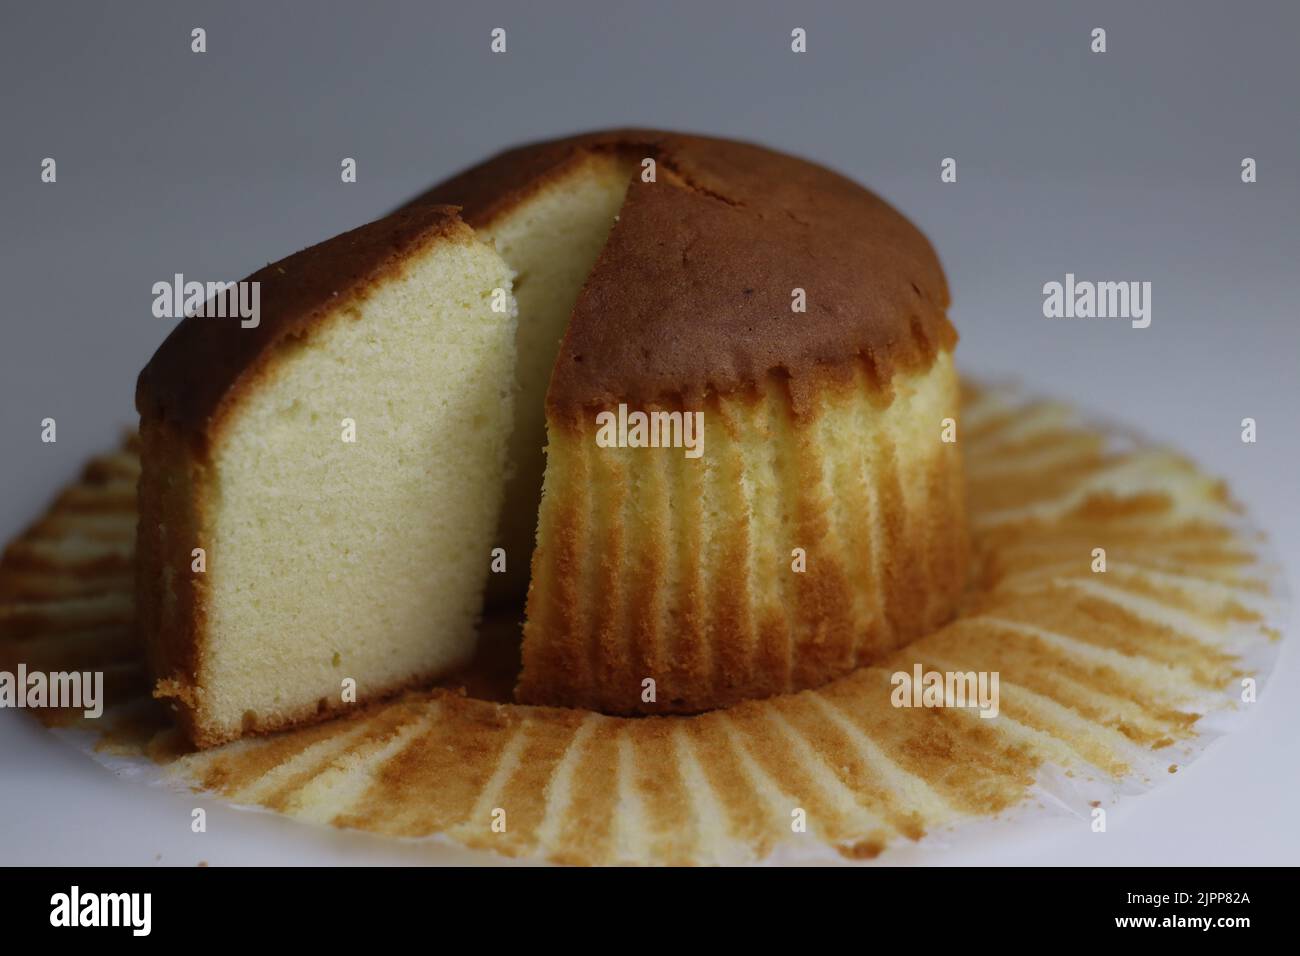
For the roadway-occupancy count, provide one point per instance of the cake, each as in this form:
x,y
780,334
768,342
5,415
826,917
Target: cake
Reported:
x,y
782,329
339,464
823,429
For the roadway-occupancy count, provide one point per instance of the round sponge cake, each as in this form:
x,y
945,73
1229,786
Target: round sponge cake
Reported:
x,y
712,383
802,321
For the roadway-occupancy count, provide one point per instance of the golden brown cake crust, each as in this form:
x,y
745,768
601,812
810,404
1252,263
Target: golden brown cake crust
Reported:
x,y
692,293
204,362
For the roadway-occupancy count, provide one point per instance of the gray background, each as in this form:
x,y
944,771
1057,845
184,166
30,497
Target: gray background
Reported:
x,y
1118,166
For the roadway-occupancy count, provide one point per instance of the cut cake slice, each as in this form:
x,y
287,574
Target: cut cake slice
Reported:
x,y
320,491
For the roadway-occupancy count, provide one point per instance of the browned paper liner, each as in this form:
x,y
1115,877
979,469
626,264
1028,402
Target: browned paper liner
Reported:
x,y
1109,682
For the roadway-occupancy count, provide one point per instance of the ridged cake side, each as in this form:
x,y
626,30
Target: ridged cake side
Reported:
x,y
650,564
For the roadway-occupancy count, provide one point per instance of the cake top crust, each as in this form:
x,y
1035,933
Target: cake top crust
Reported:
x,y
691,296
206,361
693,292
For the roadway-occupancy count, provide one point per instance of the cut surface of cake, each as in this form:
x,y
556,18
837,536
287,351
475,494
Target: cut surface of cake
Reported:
x,y
550,234
319,492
